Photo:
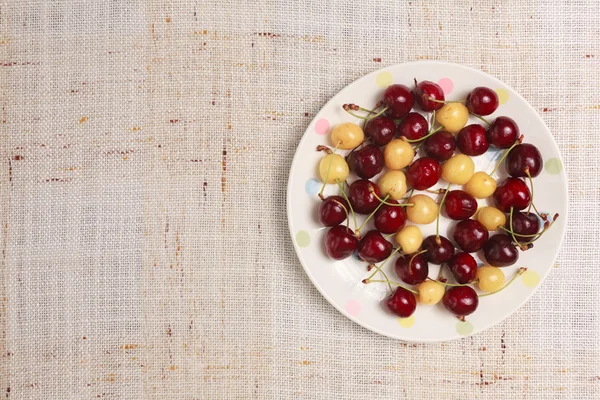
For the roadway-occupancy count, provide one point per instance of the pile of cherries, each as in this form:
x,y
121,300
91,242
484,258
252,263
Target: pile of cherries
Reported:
x,y
387,144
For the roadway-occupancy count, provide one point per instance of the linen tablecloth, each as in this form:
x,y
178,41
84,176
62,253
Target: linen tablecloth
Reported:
x,y
145,150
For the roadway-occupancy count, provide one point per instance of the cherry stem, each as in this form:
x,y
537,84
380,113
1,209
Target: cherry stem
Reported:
x,y
328,151
346,210
481,118
348,201
390,235
393,283
370,112
347,109
382,264
518,141
371,215
413,257
530,184
382,201
535,237
512,233
384,275
432,132
437,220
455,284
520,272
440,277
445,101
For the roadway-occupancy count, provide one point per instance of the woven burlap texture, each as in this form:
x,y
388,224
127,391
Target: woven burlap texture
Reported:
x,y
145,150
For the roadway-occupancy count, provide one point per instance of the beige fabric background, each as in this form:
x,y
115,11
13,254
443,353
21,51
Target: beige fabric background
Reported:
x,y
145,149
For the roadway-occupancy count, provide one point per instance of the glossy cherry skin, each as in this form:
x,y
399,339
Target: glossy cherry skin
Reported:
x,y
440,146
414,126
461,300
332,212
340,242
413,272
367,161
512,192
524,156
470,235
423,173
460,205
471,140
464,267
524,224
503,133
499,251
373,247
482,101
381,130
389,219
425,90
399,100
437,253
402,303
361,198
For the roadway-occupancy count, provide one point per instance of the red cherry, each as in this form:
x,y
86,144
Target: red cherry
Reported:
x,y
363,201
413,272
464,267
470,235
499,251
331,210
425,90
524,156
399,100
524,224
513,192
414,126
461,300
340,242
471,140
381,130
402,303
440,146
367,161
460,205
482,101
423,173
503,133
373,247
390,219
437,253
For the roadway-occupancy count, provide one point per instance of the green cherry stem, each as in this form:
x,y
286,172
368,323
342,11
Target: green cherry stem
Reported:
x,y
520,272
518,141
382,265
432,132
345,196
371,215
531,184
384,275
345,210
348,110
394,283
440,277
445,101
413,257
481,118
382,201
437,220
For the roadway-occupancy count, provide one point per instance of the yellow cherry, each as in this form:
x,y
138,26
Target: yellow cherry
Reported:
x,y
491,218
423,211
393,183
490,278
458,169
333,168
453,117
481,185
430,292
409,238
398,154
347,136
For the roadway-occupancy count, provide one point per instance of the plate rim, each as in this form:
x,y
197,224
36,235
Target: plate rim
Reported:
x,y
323,293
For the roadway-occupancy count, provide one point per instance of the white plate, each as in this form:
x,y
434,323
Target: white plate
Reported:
x,y
340,281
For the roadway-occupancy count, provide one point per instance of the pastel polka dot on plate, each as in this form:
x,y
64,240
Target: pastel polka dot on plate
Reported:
x,y
353,307
312,186
464,328
530,278
383,79
322,127
407,322
302,238
446,84
502,95
553,166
